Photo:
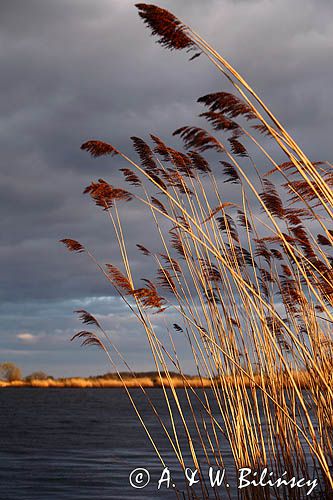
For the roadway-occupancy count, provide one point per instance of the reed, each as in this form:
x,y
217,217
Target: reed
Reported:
x,y
248,271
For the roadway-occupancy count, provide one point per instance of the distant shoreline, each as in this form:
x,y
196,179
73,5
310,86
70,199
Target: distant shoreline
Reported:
x,y
152,380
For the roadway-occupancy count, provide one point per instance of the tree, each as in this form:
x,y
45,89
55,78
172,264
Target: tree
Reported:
x,y
9,372
39,375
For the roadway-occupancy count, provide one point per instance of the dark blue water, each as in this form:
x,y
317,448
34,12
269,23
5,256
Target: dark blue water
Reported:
x,y
79,444
82,444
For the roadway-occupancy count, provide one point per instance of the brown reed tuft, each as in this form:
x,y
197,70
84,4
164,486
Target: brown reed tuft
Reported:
x,y
171,31
118,278
228,104
99,148
89,339
87,318
130,176
105,195
143,249
72,245
199,139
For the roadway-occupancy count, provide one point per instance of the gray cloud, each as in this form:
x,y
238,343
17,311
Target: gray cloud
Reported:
x,y
73,70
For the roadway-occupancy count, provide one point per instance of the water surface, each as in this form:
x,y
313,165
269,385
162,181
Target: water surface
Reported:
x,y
82,444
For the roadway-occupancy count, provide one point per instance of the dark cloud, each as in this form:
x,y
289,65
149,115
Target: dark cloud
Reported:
x,y
73,70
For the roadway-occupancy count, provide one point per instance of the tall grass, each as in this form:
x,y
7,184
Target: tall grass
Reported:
x,y
247,270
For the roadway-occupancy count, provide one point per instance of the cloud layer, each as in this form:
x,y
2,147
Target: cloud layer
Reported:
x,y
73,70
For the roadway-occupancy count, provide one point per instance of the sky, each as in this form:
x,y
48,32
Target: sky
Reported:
x,y
73,70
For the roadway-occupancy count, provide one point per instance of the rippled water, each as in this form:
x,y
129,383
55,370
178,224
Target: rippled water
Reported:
x,y
82,444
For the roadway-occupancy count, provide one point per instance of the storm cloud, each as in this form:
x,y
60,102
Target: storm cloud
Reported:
x,y
72,70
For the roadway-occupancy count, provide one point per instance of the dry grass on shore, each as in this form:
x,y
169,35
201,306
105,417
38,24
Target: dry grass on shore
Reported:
x,y
302,379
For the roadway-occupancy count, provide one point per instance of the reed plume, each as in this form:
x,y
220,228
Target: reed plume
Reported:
x,y
248,272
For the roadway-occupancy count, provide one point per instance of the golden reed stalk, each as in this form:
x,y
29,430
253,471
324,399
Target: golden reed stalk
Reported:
x,y
249,277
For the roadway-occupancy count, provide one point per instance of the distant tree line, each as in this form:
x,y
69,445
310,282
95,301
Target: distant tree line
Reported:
x,y
10,372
